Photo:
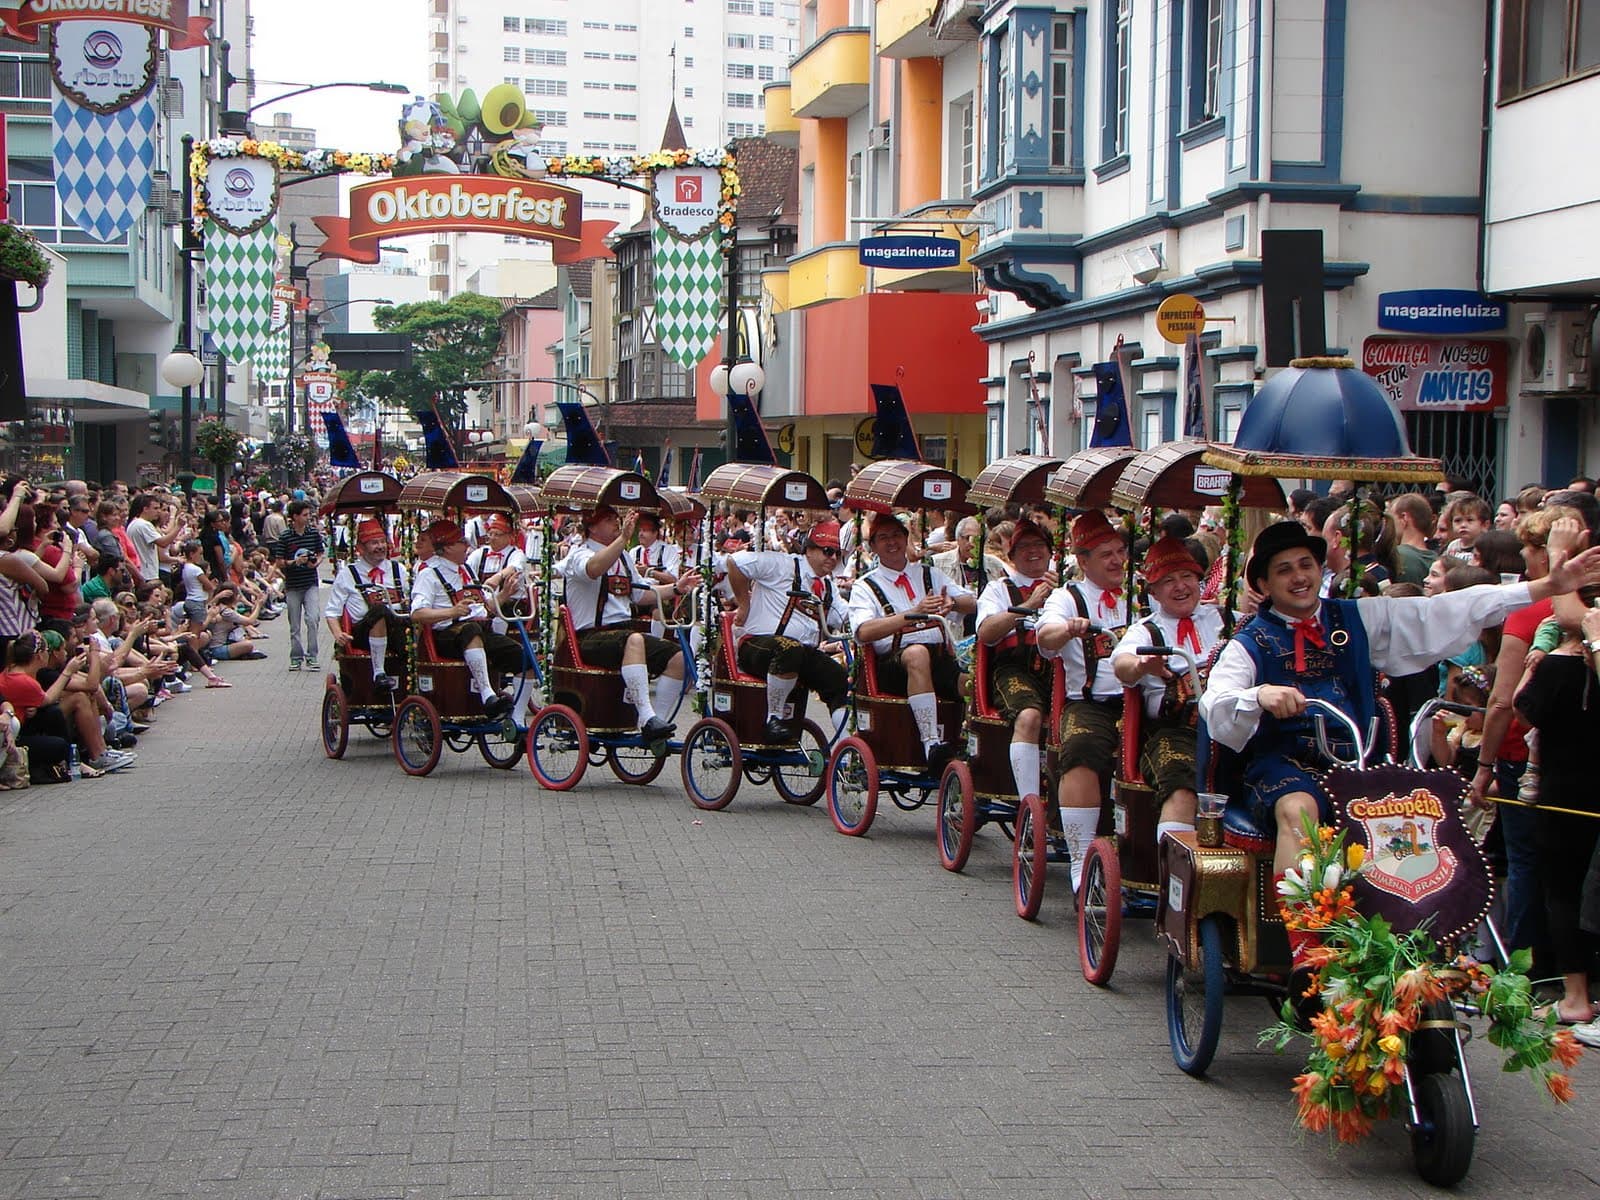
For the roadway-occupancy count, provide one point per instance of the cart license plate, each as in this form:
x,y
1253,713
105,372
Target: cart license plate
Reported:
x,y
864,722
371,487
721,702
972,745
424,683
1175,894
1119,820
477,493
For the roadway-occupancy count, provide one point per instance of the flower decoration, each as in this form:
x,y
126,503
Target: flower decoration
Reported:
x,y
22,256
1376,986
630,166
314,162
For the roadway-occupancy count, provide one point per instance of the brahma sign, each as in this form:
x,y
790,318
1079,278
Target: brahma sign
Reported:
x,y
391,208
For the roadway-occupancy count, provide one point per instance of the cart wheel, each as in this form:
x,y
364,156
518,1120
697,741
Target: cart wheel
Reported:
x,y
958,816
558,747
1194,1002
1100,912
852,783
803,784
1028,853
500,751
417,738
335,721
1434,1042
712,764
637,765
1441,1145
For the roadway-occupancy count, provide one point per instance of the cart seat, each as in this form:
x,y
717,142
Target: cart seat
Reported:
x,y
1132,731
1240,830
730,654
982,699
568,648
426,650
349,626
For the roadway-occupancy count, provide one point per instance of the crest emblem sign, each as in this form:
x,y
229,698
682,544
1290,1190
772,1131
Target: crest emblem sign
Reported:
x,y
686,200
103,66
241,193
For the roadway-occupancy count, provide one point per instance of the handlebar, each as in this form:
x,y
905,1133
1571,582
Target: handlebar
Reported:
x,y
1321,710
1191,664
1425,714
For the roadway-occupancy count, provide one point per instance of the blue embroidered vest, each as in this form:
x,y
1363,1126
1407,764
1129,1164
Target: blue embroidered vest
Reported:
x,y
1340,673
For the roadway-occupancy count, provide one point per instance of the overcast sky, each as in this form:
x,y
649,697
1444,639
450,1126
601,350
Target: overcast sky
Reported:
x,y
327,41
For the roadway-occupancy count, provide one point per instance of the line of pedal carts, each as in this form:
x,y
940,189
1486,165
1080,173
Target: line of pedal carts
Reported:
x,y
576,665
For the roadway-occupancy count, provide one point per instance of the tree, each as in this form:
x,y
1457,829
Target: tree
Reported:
x,y
453,342
218,443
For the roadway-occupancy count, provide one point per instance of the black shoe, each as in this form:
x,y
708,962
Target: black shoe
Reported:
x,y
498,707
138,727
939,757
387,683
780,732
123,741
655,730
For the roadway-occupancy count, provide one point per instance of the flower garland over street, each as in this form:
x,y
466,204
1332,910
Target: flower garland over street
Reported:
x,y
631,166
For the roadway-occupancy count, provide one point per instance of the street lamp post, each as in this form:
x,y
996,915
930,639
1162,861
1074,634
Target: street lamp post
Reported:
x,y
398,89
182,369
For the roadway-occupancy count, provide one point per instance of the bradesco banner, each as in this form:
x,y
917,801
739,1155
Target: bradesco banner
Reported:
x,y
1439,374
391,208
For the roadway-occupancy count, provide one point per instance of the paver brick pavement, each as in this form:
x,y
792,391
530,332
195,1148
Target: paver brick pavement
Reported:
x,y
246,972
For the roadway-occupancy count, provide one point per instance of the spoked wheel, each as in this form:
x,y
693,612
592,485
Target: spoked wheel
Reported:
x,y
500,751
558,747
852,784
802,783
712,764
958,816
1441,1144
417,738
1028,853
335,721
1100,912
637,765
1194,1002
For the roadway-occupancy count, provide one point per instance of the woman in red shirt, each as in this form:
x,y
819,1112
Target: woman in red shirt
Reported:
x,y
45,731
58,566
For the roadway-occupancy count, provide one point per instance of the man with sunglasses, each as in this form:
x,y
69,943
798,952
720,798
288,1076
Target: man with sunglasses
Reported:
x,y
787,606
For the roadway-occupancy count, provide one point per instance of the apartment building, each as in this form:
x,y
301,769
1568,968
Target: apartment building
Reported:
x,y
601,77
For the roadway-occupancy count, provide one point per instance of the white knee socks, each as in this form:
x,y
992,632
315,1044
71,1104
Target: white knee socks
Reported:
x,y
380,648
636,690
478,668
1078,826
925,709
779,689
524,699
1025,768
668,690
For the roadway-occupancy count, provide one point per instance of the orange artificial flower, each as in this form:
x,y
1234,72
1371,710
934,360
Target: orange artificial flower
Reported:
x,y
1560,1087
1565,1049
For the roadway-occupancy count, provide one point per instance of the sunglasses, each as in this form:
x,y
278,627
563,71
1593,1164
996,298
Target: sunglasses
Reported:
x,y
829,551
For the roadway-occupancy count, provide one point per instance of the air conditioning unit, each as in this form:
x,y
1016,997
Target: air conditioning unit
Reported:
x,y
1555,353
879,135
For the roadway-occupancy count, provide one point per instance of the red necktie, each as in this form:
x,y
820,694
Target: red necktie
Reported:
x,y
376,574
905,586
1188,633
1307,630
466,580
1109,598
816,587
644,556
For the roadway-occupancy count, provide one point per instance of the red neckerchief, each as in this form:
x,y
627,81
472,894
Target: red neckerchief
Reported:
x,y
1308,629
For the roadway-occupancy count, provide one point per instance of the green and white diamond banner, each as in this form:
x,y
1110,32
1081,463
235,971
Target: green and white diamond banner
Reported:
x,y
239,274
271,359
688,283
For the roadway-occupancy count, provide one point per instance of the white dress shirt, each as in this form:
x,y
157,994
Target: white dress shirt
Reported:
x,y
1103,619
429,590
1208,628
662,556
346,594
772,575
620,584
864,604
1404,635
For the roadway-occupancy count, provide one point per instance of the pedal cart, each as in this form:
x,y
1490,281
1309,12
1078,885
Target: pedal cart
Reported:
x,y
728,744
587,720
885,749
1121,869
441,709
349,697
978,791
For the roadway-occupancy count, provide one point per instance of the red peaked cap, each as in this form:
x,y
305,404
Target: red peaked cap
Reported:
x,y
824,533
498,523
1026,529
371,530
443,533
1168,556
885,521
1090,529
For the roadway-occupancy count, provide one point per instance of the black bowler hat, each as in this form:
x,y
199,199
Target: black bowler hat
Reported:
x,y
1274,540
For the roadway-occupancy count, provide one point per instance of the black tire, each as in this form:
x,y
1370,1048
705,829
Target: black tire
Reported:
x,y
1433,1043
1441,1146
417,738
796,784
1194,1002
712,764
335,721
637,765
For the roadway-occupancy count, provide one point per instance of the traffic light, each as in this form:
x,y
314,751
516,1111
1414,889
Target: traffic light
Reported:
x,y
158,435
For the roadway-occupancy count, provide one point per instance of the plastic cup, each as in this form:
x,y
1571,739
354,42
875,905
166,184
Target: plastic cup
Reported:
x,y
1208,819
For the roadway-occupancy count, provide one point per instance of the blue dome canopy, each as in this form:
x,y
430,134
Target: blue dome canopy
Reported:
x,y
1323,412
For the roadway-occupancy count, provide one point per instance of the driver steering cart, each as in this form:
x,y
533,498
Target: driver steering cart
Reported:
x,y
441,708
588,721
728,743
885,732
349,697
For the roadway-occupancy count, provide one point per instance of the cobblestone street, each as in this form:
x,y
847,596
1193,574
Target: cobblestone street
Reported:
x,y
244,971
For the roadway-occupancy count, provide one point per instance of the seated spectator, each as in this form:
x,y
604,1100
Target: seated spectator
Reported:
x,y
54,717
228,628
1500,553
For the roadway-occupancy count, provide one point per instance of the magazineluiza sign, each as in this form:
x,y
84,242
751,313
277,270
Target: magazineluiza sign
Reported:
x,y
1440,310
391,208
909,253
1439,374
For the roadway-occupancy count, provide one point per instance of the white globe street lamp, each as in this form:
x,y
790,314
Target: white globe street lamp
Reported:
x,y
719,379
182,369
747,377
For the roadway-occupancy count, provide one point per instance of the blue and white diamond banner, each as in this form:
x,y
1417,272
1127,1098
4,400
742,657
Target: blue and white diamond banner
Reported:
x,y
103,163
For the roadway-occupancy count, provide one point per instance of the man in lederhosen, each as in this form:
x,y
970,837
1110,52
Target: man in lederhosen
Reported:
x,y
913,657
500,564
787,606
371,589
1020,677
1167,753
1081,624
603,587
448,596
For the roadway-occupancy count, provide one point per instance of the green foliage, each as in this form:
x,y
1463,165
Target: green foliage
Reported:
x,y
217,442
454,341
21,256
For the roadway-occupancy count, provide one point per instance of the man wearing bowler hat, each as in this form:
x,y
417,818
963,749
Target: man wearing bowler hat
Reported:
x,y
370,590
1300,646
787,607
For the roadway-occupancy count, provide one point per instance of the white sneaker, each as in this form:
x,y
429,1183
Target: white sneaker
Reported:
x,y
180,687
1587,1033
115,760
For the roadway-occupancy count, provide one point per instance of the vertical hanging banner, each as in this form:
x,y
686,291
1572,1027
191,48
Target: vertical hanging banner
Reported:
x,y
686,244
239,272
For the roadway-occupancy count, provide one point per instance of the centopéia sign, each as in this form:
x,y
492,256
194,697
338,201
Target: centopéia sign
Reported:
x,y
391,208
